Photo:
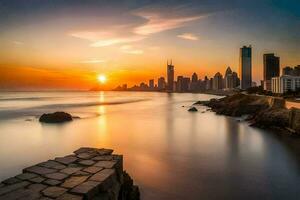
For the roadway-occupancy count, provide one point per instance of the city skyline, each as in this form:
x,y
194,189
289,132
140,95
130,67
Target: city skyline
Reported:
x,y
69,44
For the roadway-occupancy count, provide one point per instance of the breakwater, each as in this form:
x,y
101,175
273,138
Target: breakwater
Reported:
x,y
88,173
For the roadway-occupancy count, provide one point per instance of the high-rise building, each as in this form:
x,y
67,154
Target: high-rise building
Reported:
x,y
218,81
170,77
151,84
228,79
185,87
245,67
161,83
271,69
285,83
179,83
194,84
287,70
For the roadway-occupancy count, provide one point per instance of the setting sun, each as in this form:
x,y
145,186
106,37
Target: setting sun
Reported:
x,y
101,78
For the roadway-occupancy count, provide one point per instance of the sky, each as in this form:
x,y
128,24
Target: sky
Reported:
x,y
67,44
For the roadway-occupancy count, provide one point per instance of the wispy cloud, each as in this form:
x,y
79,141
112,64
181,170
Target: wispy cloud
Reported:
x,y
130,50
188,36
17,42
157,23
92,61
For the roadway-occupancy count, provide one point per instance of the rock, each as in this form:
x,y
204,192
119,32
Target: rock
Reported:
x,y
39,170
52,182
74,181
86,155
92,169
66,160
70,170
294,120
10,188
52,164
38,179
129,191
102,175
89,189
54,192
68,196
10,181
26,176
57,117
87,162
56,176
193,109
105,164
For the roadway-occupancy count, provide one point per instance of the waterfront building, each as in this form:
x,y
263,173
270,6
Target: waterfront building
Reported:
x,y
271,69
179,83
195,84
245,68
218,81
151,84
161,83
287,70
170,77
285,83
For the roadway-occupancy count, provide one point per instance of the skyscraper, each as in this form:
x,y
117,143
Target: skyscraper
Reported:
x,y
194,83
245,67
170,77
271,69
218,81
161,83
151,84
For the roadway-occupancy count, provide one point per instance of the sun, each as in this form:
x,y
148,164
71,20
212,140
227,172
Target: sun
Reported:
x,y
101,78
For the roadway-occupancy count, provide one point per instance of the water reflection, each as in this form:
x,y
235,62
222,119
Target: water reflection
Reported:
x,y
171,153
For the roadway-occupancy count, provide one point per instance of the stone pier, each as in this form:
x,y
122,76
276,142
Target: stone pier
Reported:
x,y
89,173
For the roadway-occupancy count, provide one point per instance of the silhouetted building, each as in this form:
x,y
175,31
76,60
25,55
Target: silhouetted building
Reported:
x,y
271,69
170,77
245,67
179,83
218,81
287,71
228,79
151,84
161,83
195,84
285,83
185,87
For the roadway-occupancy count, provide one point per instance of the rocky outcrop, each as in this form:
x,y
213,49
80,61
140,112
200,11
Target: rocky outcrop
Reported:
x,y
56,117
192,109
89,173
262,111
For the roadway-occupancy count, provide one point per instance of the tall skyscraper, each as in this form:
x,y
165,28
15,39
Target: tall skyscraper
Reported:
x,y
245,67
170,77
218,81
228,79
271,69
194,83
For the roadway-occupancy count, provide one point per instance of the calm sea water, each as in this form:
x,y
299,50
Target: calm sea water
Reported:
x,y
170,153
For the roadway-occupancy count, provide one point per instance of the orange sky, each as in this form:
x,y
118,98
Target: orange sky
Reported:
x,y
60,46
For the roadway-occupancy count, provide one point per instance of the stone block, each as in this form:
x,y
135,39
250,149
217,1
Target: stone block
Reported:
x,y
102,175
68,196
54,191
92,169
70,170
86,162
105,164
56,176
52,164
107,158
39,170
10,188
104,151
81,173
11,180
86,155
89,189
26,176
38,179
52,182
67,159
74,181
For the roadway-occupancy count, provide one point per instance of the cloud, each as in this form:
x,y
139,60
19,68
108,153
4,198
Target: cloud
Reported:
x,y
130,50
92,61
157,24
17,42
188,36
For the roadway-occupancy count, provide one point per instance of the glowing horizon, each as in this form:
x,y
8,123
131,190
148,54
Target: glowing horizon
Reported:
x,y
60,45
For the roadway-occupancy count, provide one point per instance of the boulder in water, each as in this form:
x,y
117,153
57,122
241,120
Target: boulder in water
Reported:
x,y
193,109
56,117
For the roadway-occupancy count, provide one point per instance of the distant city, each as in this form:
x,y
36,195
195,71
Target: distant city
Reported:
x,y
289,80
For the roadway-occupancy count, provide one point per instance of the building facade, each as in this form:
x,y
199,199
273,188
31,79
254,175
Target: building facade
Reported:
x,y
245,68
170,77
285,83
218,81
161,83
271,69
